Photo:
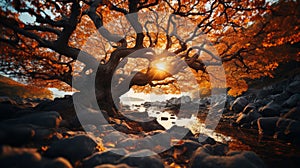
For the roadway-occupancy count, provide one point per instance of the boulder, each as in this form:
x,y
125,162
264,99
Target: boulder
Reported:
x,y
16,134
179,132
292,101
64,106
267,125
294,114
50,119
203,157
243,118
294,87
74,149
113,166
279,98
23,157
249,107
143,159
270,110
111,156
239,104
254,115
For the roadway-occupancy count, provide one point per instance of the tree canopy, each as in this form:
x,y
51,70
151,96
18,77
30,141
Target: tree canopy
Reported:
x,y
44,48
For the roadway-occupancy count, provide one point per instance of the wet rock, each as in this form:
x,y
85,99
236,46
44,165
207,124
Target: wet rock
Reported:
x,y
294,114
180,132
142,159
113,166
203,157
270,110
243,118
267,125
75,148
45,119
188,146
151,126
239,104
22,157
294,87
254,115
110,156
205,139
249,107
162,139
292,101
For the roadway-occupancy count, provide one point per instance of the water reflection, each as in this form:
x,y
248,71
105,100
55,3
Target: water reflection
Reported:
x,y
168,119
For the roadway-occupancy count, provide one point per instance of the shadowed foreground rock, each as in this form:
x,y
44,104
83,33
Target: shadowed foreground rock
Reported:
x,y
206,157
22,157
75,148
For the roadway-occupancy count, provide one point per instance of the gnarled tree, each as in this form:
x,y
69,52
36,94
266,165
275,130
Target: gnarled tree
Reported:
x,y
41,40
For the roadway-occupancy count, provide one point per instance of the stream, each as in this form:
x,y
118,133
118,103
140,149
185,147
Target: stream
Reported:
x,y
275,153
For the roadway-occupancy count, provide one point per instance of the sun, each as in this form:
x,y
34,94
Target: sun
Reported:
x,y
161,66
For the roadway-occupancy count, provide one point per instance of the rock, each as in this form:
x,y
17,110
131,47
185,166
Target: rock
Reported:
x,y
59,163
202,157
64,106
75,148
292,101
263,93
142,159
22,157
188,146
110,156
249,107
45,119
282,124
162,139
293,130
294,87
246,125
131,144
288,130
8,111
180,132
239,104
297,77
267,125
16,134
113,166
279,98
150,124
270,110
294,114
254,124
115,137
243,118
254,115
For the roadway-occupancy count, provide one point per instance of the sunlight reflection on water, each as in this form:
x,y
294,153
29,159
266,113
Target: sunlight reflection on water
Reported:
x,y
167,119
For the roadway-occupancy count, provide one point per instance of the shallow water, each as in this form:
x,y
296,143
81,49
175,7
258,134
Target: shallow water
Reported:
x,y
274,153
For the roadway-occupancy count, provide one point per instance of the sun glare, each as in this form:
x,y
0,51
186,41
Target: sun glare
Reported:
x,y
161,66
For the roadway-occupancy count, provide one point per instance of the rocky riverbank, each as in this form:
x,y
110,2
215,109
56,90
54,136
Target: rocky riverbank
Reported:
x,y
50,135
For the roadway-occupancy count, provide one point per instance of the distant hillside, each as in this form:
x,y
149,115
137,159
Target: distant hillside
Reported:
x,y
11,88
